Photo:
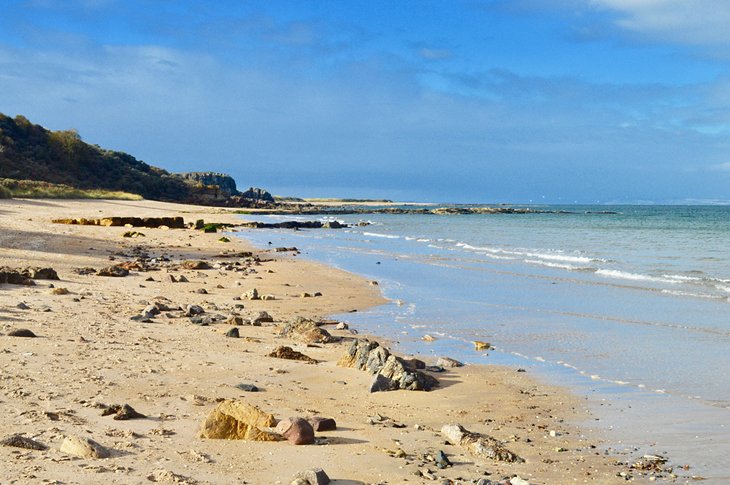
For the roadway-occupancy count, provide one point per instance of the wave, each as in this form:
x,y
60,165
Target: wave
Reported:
x,y
376,234
624,275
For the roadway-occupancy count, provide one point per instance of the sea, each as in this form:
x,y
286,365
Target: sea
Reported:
x,y
627,306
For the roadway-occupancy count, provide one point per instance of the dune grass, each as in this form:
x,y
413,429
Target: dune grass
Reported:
x,y
33,189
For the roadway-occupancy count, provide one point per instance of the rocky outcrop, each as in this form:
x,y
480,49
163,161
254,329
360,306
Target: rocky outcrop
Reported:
x,y
391,371
26,276
221,185
151,222
255,193
295,225
306,331
481,446
238,420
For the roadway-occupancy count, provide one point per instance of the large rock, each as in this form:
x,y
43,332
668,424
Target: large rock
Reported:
x,y
238,420
448,362
14,277
313,476
84,447
256,193
376,359
284,352
306,331
19,441
320,423
297,431
225,184
481,446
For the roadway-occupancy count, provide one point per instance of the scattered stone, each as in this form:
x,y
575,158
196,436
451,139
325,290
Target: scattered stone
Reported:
x,y
320,423
60,291
441,460
21,332
192,310
22,306
247,387
41,273
651,463
83,447
233,333
481,446
262,317
168,476
113,271
252,294
122,412
305,295
238,420
448,362
313,476
18,441
195,265
479,345
234,320
297,431
284,352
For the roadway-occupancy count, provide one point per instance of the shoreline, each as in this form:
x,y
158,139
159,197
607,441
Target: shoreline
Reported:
x,y
174,371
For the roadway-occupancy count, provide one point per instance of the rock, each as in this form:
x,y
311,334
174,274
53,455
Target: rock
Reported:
x,y
201,291
247,387
268,297
60,291
183,279
234,320
342,326
41,273
233,333
297,431
262,317
414,364
190,264
171,278
14,277
18,441
284,352
448,362
21,332
412,380
434,368
238,420
123,412
320,423
381,383
22,306
518,481
252,294
305,295
313,476
428,338
306,331
481,446
441,460
169,477
113,271
256,193
479,345
83,447
192,310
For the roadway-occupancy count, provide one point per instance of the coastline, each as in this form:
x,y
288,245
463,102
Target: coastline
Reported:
x,y
89,351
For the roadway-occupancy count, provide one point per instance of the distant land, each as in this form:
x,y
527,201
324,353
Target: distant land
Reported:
x,y
36,162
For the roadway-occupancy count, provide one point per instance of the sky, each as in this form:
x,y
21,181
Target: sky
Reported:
x,y
514,101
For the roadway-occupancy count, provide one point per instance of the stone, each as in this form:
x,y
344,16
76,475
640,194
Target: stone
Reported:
x,y
306,331
192,310
268,297
262,317
83,447
22,306
191,264
448,362
60,291
113,271
201,291
234,320
238,420
167,476
284,352
122,412
21,332
342,326
313,476
233,333
297,431
18,441
481,446
151,310
252,294
183,279
428,338
320,423
14,277
441,460
518,481
479,345
381,383
171,278
247,387
414,364
41,273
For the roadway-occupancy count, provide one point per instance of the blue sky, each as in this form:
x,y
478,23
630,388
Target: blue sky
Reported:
x,y
559,101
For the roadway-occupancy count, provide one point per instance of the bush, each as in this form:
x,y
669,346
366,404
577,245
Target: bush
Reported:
x,y
5,193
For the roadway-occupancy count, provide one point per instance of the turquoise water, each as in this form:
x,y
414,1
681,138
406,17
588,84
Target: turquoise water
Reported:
x,y
630,308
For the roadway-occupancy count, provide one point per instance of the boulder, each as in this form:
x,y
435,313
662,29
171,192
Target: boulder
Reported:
x,y
21,332
238,420
320,423
18,441
481,446
190,264
262,317
448,362
113,271
297,431
381,383
14,277
284,352
233,333
83,447
41,273
306,331
122,412
252,294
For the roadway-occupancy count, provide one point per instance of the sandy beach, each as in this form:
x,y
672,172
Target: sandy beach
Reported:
x,y
89,353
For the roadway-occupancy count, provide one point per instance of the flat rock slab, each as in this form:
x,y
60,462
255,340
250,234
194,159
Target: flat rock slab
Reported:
x,y
238,420
481,446
284,352
84,447
18,441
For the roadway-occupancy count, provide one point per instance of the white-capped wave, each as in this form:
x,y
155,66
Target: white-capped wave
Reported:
x,y
377,234
548,264
624,275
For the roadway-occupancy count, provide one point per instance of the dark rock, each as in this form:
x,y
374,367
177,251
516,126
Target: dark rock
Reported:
x,y
201,291
442,461
448,362
434,368
247,387
122,412
190,264
41,273
18,441
192,310
297,431
256,193
14,277
284,352
320,423
262,317
141,319
233,333
21,332
381,383
414,363
22,306
183,279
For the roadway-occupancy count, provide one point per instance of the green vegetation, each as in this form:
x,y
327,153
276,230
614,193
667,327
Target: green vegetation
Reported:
x,y
62,158
33,189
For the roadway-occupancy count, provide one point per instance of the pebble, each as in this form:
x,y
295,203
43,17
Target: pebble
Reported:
x,y
233,333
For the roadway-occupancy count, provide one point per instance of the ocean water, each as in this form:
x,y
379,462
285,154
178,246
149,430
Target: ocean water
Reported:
x,y
628,306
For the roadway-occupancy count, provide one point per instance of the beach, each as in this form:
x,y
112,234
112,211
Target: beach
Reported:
x,y
89,354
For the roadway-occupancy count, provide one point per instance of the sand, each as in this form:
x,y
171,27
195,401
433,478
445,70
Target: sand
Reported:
x,y
88,353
